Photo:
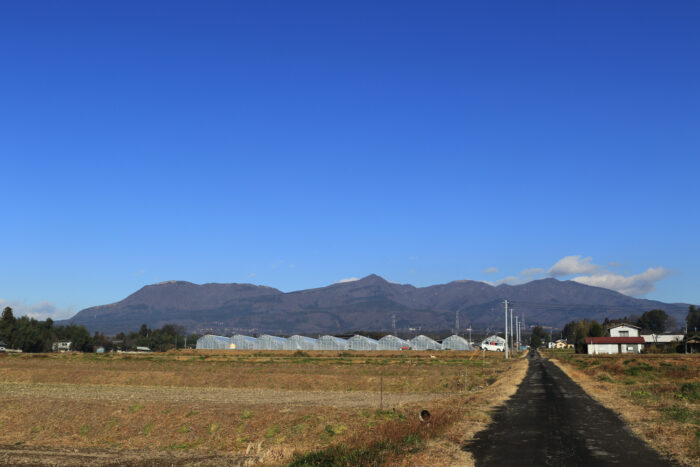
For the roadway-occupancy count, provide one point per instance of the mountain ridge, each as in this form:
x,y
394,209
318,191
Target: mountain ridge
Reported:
x,y
369,303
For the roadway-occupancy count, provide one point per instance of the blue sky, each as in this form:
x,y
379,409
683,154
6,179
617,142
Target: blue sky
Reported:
x,y
295,144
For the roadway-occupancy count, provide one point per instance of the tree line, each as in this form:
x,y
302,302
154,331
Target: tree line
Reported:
x,y
31,335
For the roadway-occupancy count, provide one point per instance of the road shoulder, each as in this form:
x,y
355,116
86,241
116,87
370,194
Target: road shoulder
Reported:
x,y
644,421
476,410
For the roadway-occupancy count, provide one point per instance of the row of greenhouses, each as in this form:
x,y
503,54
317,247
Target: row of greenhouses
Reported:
x,y
356,342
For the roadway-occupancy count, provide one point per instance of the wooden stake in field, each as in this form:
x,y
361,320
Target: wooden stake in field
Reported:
x,y
381,392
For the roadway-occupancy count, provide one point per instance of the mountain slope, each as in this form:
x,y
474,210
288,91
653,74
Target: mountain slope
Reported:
x,y
370,303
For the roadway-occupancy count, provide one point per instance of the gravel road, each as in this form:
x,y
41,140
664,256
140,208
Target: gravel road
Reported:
x,y
552,421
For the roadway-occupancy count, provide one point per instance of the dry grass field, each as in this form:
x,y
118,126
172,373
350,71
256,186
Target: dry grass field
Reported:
x,y
657,394
244,407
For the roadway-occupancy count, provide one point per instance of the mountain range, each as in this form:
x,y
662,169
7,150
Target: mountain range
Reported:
x,y
371,304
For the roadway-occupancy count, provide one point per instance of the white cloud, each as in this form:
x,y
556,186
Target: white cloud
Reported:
x,y
638,284
531,272
40,311
526,275
252,274
511,280
491,270
349,279
573,264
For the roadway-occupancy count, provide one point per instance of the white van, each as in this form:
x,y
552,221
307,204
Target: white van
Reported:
x,y
494,344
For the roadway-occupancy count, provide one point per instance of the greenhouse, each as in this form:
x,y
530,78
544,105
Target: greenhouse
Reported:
x,y
424,343
330,343
267,342
358,342
241,342
392,343
210,341
456,343
297,342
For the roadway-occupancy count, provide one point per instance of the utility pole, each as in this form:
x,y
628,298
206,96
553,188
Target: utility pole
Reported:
x,y
456,322
517,335
520,331
470,334
393,323
512,335
506,326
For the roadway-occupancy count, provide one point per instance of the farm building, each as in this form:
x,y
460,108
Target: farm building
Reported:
x,y
358,342
624,338
611,345
424,343
663,340
330,343
297,342
691,344
456,343
241,342
267,342
392,343
211,341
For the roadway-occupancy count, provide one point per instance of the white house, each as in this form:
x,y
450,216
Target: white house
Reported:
x,y
624,330
624,338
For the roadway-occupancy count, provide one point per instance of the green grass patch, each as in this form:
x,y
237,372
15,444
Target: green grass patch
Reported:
x,y
177,447
273,430
689,391
84,430
332,430
640,394
135,408
246,414
372,455
636,370
148,428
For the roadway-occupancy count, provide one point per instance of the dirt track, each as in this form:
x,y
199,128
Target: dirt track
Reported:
x,y
552,421
242,396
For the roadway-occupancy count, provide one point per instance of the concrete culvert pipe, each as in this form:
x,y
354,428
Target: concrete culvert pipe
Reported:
x,y
424,416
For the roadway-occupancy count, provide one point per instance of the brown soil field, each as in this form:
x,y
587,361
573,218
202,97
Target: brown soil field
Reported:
x,y
230,408
658,395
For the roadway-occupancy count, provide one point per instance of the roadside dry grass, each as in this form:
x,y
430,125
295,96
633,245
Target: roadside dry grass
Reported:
x,y
472,413
658,395
251,406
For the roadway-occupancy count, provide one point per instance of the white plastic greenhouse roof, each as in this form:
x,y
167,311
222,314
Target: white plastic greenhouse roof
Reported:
x,y
424,343
456,342
334,339
244,337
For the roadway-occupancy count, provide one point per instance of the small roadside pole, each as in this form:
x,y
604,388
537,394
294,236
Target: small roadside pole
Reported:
x,y
381,393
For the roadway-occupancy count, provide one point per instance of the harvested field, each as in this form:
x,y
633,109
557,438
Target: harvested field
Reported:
x,y
246,407
239,396
657,394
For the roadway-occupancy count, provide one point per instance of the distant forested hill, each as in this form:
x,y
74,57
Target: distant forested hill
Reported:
x,y
365,304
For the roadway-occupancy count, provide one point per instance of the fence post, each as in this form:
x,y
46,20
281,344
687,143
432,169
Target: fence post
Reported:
x,y
381,392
